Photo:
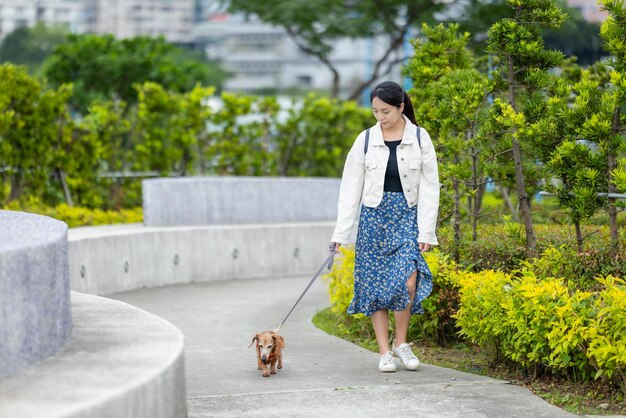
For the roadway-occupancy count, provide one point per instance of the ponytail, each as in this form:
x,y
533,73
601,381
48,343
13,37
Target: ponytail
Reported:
x,y
408,109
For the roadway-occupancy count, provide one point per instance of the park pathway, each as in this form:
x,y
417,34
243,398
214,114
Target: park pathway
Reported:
x,y
323,376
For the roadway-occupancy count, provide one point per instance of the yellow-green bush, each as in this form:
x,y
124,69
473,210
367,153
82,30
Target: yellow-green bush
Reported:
x,y
341,290
82,216
341,281
544,325
568,334
78,216
531,312
607,332
481,315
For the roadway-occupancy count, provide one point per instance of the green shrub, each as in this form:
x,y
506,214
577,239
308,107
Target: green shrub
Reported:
x,y
500,247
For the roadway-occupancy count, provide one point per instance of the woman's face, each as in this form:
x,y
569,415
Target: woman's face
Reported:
x,y
387,115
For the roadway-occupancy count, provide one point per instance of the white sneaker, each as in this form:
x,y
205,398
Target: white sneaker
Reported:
x,y
404,352
387,364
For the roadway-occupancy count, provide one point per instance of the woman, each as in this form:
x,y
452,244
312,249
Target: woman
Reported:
x,y
394,174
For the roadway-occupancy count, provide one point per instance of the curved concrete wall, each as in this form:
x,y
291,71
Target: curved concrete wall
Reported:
x,y
122,362
111,259
35,314
238,200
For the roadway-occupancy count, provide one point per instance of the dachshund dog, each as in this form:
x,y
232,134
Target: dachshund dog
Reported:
x,y
268,351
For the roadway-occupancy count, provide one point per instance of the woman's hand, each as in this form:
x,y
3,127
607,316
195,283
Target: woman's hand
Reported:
x,y
333,247
423,246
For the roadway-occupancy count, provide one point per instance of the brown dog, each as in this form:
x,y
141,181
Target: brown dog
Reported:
x,y
268,351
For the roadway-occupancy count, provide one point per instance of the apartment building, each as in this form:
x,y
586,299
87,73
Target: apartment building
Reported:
x,y
18,13
172,19
261,57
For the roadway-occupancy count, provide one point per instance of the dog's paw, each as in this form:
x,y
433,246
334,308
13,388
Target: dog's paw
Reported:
x,y
266,374
273,372
280,367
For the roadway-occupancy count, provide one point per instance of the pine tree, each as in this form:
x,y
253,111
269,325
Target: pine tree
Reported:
x,y
449,97
521,73
613,33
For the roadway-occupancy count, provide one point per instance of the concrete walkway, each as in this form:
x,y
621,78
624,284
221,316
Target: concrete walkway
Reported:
x,y
322,375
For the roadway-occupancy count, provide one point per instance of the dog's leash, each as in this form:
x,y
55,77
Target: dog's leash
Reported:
x,y
328,263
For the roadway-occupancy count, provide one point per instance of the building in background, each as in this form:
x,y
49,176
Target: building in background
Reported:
x,y
265,58
589,9
172,19
261,57
18,13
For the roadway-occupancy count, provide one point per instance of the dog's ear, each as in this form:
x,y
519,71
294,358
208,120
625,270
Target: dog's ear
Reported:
x,y
279,341
255,338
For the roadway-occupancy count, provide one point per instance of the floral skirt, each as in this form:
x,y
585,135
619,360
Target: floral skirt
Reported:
x,y
386,256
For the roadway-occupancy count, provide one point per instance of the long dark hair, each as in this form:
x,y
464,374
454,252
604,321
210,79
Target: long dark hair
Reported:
x,y
392,94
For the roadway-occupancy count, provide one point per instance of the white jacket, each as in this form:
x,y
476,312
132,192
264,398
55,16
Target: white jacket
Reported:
x,y
364,177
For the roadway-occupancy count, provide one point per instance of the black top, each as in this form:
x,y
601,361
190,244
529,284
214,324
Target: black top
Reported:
x,y
392,175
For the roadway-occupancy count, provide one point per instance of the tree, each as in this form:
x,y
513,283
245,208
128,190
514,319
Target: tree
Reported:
x,y
316,136
30,46
613,33
572,165
315,25
169,126
448,102
102,67
36,139
575,38
521,74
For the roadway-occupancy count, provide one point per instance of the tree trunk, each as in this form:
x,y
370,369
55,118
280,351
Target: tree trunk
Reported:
x,y
524,201
479,187
507,201
394,44
334,91
478,207
66,190
320,56
456,254
612,164
579,237
16,187
284,161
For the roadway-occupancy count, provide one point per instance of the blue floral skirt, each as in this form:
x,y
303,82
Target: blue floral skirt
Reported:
x,y
386,256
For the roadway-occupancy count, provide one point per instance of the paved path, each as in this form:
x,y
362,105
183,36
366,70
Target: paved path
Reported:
x,y
323,376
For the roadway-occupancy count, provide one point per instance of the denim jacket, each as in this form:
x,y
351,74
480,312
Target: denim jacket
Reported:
x,y
364,176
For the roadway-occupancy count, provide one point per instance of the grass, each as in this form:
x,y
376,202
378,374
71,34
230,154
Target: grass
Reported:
x,y
578,398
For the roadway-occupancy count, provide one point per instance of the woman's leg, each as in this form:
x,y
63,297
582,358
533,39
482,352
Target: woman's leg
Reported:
x,y
403,317
380,321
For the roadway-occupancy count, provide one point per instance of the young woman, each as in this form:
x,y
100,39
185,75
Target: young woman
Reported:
x,y
393,176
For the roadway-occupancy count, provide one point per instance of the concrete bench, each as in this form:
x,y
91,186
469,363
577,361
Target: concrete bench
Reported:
x,y
35,317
